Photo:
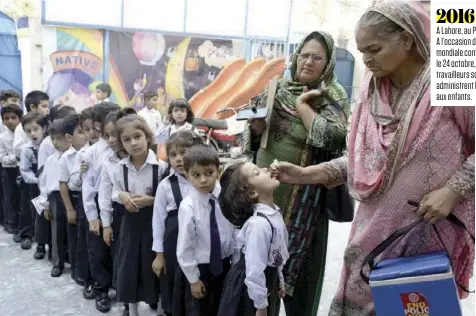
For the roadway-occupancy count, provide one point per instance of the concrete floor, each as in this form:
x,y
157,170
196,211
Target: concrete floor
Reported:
x,y
26,288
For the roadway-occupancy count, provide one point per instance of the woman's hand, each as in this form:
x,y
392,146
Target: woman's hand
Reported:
x,y
438,204
286,172
306,98
257,126
128,201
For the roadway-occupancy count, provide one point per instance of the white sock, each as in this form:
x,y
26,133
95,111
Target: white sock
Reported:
x,y
134,309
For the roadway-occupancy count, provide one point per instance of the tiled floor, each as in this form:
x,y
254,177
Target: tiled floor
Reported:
x,y
26,288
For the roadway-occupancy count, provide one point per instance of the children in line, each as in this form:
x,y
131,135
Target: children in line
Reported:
x,y
255,284
135,182
169,196
205,239
180,116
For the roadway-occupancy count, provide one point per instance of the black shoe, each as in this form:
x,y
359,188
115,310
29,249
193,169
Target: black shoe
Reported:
x,y
154,306
56,272
39,253
26,243
16,238
80,281
103,304
88,292
125,312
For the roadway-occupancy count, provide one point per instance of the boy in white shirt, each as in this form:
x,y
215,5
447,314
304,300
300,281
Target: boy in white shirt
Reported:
x,y
205,239
11,116
70,187
103,92
150,113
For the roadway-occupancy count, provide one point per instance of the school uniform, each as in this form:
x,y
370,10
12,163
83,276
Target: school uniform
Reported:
x,y
46,150
253,283
99,254
136,281
152,117
169,195
69,173
164,131
10,172
110,212
28,169
204,248
55,203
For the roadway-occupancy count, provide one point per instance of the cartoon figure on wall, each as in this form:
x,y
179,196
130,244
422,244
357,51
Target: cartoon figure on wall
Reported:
x,y
73,80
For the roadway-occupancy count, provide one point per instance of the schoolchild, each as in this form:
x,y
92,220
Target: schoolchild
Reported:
x,y
255,285
111,215
169,195
103,92
11,117
92,134
7,96
51,205
180,116
70,189
35,126
205,240
99,254
135,182
150,113
46,150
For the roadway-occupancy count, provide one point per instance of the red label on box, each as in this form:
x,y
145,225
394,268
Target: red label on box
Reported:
x,y
415,304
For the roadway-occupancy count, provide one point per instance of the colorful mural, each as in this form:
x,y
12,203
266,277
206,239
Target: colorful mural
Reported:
x,y
175,67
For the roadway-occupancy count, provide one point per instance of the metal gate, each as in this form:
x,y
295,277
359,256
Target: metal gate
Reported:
x,y
10,60
345,70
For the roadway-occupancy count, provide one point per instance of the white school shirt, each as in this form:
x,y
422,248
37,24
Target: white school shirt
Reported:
x,y
164,203
152,117
193,244
7,155
69,169
139,180
105,190
95,155
260,251
46,150
48,181
27,160
20,140
164,131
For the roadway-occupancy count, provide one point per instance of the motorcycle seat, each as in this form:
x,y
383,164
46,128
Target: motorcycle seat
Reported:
x,y
213,124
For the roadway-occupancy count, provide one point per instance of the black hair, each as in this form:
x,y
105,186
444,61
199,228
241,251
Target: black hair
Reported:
x,y
184,139
113,117
60,111
235,198
35,98
150,95
69,124
182,104
102,109
9,93
86,114
56,127
201,154
12,108
104,87
36,117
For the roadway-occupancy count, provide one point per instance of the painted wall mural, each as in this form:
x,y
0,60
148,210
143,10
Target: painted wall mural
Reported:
x,y
175,67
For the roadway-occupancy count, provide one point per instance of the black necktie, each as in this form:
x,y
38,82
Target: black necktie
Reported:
x,y
216,264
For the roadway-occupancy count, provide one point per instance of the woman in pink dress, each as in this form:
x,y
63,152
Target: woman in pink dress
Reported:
x,y
400,148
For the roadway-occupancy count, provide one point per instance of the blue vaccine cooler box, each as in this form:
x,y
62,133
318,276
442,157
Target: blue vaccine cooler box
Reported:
x,y
422,285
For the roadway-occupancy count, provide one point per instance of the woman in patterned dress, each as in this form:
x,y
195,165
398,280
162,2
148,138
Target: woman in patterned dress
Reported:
x,y
304,135
400,148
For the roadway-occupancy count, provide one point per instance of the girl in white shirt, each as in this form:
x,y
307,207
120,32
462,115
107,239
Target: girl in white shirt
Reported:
x,y
255,284
180,117
165,221
135,181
